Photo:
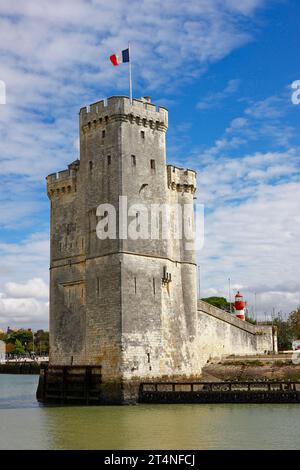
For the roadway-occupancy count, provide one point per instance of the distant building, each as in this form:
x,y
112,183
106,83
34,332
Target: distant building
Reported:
x,y
296,345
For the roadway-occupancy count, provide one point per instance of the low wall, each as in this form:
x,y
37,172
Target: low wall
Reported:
x,y
30,368
222,334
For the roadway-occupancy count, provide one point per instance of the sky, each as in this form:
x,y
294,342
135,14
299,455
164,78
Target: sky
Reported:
x,y
224,70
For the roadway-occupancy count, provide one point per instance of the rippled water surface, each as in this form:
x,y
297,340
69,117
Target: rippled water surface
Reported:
x,y
26,425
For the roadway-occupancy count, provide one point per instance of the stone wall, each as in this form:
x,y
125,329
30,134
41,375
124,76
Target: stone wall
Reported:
x,y
221,334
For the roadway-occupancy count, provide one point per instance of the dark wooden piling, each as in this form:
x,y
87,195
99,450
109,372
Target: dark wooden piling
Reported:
x,y
220,392
70,385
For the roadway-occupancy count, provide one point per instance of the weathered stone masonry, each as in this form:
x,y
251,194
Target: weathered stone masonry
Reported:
x,y
127,305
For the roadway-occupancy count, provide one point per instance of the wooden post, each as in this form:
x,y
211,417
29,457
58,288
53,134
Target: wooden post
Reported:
x,y
87,383
45,383
64,384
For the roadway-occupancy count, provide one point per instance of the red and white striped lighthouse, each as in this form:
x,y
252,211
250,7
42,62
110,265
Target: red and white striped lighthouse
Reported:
x,y
239,306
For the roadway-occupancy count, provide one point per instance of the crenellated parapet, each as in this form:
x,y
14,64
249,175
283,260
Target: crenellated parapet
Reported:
x,y
181,180
63,183
119,108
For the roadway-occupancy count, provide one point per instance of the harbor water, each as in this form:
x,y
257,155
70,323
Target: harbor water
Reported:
x,y
24,424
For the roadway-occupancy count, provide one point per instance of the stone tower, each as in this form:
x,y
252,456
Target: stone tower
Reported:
x,y
127,304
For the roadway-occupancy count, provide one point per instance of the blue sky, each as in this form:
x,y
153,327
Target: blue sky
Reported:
x,y
223,69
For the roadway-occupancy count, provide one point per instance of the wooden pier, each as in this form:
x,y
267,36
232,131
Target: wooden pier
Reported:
x,y
220,392
22,367
70,385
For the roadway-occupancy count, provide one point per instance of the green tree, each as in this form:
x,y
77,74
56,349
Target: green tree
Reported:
x,y
294,320
284,332
41,341
24,337
2,336
219,302
19,348
250,320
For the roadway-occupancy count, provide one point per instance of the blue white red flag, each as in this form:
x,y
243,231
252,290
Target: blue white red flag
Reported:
x,y
120,57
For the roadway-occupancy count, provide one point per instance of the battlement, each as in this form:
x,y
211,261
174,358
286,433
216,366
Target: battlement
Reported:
x,y
63,182
180,179
140,112
60,175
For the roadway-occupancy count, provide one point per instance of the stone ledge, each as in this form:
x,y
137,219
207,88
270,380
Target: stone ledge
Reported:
x,y
229,318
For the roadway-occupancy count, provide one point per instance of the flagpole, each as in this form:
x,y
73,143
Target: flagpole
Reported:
x,y
130,74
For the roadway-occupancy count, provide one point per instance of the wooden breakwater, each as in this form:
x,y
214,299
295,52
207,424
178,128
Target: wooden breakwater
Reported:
x,y
70,385
30,368
220,392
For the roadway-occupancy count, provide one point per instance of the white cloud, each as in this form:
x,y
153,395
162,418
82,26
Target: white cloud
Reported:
x,y
20,260
245,7
261,122
33,288
239,177
252,228
18,311
271,107
23,299
237,123
213,100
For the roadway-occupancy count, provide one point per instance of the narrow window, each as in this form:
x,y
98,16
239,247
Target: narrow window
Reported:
x,y
135,285
103,134
143,134
152,165
106,118
98,286
133,160
153,281
91,165
108,159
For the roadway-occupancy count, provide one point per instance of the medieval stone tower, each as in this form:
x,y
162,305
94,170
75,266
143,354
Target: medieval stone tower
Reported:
x,y
127,305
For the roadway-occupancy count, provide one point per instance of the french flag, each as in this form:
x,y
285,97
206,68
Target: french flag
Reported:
x,y
117,59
